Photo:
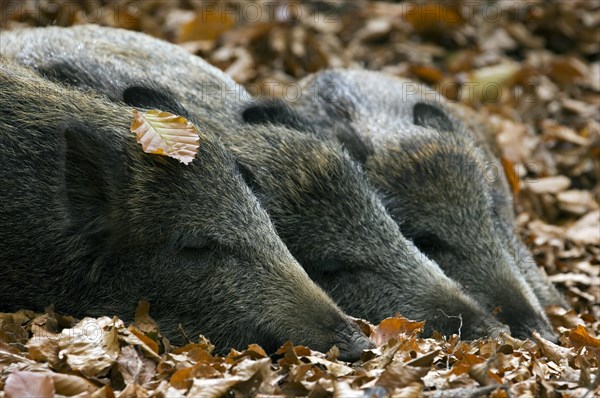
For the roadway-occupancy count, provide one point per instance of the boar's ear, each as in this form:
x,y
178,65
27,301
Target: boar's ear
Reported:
x,y
432,116
148,96
91,175
276,112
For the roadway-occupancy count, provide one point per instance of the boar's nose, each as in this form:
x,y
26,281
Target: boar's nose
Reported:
x,y
353,346
541,328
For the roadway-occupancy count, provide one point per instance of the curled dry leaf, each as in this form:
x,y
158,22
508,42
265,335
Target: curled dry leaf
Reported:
x,y
142,318
553,351
166,134
580,337
149,346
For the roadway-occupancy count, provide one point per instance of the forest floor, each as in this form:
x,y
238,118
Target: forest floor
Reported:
x,y
531,68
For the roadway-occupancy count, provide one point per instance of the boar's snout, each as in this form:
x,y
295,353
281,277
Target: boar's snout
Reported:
x,y
352,342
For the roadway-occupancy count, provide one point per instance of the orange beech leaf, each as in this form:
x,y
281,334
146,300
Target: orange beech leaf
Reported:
x,y
580,337
163,133
511,175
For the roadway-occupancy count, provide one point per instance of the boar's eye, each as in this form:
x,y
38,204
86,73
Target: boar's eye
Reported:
x,y
331,266
248,176
201,250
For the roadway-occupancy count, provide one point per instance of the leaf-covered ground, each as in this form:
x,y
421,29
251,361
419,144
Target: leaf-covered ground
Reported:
x,y
531,68
46,354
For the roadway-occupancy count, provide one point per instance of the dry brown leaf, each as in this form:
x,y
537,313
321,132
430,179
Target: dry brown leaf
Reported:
x,y
580,337
552,185
424,360
516,142
29,384
69,385
163,133
142,318
198,352
148,342
413,390
511,175
365,326
43,347
342,389
433,17
182,379
567,70
242,372
553,351
11,329
337,369
485,84
208,24
464,364
557,131
428,74
563,317
397,375
134,391
586,230
92,346
134,368
392,327
104,392
576,201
